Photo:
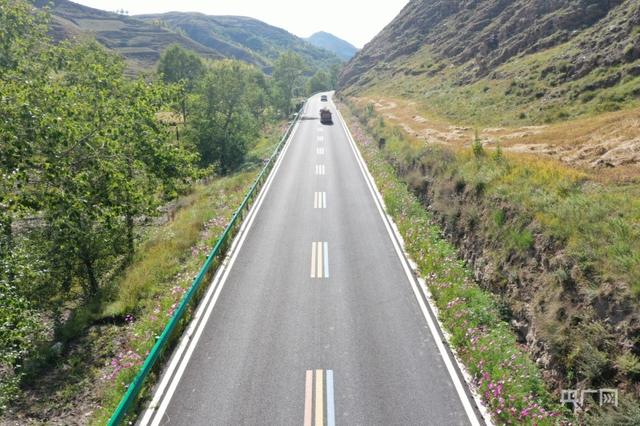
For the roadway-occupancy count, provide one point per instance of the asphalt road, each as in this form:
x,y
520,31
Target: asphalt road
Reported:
x,y
313,320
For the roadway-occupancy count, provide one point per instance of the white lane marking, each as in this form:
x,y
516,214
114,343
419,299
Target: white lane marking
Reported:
x,y
319,259
331,408
326,259
395,238
320,138
313,259
320,151
319,200
190,338
320,170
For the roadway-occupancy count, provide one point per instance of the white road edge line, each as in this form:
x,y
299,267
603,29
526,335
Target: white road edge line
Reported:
x,y
189,340
396,238
331,407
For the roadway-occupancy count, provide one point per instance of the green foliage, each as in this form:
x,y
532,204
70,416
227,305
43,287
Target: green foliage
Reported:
x,y
228,106
334,75
319,83
20,329
21,30
178,65
288,72
476,146
82,155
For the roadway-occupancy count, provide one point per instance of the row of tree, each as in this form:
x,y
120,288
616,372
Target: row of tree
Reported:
x,y
84,156
224,103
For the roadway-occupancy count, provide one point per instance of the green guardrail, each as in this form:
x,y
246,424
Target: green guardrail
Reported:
x,y
135,386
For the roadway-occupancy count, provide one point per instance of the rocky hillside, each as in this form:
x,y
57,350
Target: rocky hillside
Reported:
x,y
537,61
485,34
340,47
242,37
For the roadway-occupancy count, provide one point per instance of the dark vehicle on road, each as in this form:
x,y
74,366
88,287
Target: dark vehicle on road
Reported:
x,y
325,116
323,98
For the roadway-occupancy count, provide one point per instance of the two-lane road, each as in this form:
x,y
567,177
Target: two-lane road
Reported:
x,y
313,320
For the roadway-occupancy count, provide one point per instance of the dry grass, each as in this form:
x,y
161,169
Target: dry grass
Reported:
x,y
606,146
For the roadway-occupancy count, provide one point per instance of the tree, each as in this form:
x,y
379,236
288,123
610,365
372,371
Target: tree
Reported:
x,y
180,66
288,72
334,75
82,154
228,108
318,83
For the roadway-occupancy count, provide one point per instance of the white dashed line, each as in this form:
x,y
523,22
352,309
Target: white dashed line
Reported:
x,y
320,200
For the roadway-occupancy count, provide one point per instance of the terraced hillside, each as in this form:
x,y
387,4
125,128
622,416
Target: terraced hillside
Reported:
x,y
142,39
242,38
138,42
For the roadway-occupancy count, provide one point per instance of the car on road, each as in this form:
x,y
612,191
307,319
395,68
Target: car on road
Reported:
x,y
325,116
323,98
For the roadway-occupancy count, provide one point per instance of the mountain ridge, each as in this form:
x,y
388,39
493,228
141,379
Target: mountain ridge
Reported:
x,y
237,36
484,35
332,43
141,39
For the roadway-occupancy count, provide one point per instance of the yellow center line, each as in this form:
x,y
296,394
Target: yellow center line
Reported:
x,y
319,399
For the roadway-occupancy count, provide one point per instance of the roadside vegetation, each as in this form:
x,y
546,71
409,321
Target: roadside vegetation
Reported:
x,y
113,190
549,297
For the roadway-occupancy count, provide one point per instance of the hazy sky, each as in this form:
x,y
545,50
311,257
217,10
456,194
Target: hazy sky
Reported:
x,y
356,21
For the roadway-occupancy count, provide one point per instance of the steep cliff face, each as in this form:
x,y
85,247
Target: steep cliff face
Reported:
x,y
483,34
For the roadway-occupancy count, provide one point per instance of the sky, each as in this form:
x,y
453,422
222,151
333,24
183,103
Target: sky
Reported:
x,y
356,21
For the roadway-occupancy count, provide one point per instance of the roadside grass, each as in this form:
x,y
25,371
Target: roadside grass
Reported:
x,y
506,379
151,288
586,231
597,219
599,224
162,271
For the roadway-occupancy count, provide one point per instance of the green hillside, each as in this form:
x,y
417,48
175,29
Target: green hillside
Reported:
x,y
242,38
342,48
138,42
491,64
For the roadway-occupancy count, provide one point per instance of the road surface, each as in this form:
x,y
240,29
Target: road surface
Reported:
x,y
313,320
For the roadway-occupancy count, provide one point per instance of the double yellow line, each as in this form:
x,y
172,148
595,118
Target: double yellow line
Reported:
x,y
316,411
